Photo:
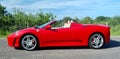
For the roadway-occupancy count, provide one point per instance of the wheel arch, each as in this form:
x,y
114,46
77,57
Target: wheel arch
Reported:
x,y
95,33
29,34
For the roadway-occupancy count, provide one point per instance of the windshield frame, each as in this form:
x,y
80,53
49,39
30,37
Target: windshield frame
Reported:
x,y
48,23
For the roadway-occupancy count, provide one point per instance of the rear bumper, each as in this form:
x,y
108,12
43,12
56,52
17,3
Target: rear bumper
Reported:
x,y
107,36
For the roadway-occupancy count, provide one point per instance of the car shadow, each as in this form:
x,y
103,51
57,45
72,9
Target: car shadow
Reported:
x,y
64,48
112,44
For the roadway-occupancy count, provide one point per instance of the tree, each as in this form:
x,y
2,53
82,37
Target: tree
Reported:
x,y
2,13
87,20
5,19
2,10
24,20
76,19
115,21
66,19
100,18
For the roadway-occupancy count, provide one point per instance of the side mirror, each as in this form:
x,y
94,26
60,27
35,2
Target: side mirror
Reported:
x,y
47,27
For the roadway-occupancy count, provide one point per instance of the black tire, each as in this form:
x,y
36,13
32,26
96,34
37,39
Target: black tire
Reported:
x,y
29,42
96,41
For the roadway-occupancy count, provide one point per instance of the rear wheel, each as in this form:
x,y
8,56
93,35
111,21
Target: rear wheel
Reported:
x,y
29,42
96,41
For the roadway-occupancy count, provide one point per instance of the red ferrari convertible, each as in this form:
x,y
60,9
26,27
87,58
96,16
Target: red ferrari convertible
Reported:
x,y
74,34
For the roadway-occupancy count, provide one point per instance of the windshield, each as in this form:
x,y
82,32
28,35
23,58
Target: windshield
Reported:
x,y
48,23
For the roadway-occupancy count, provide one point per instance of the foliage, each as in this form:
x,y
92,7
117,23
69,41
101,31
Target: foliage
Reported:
x,y
86,20
19,20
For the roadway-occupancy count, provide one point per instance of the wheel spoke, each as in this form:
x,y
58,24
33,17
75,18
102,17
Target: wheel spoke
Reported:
x,y
28,38
96,44
99,37
27,46
25,42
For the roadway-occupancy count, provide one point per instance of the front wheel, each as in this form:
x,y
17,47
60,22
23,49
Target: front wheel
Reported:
x,y
96,41
29,42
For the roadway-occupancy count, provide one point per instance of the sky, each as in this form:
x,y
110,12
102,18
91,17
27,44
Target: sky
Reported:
x,y
62,8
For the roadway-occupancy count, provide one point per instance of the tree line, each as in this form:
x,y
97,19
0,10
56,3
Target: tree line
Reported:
x,y
10,22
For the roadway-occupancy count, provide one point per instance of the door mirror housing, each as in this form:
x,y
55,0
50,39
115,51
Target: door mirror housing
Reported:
x,y
47,27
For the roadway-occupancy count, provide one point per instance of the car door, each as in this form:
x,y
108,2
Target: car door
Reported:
x,y
55,37
60,36
70,36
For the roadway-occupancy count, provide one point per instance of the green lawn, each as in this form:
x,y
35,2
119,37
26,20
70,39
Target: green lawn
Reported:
x,y
115,30
4,34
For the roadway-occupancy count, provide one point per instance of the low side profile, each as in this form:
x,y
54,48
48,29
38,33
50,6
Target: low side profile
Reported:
x,y
76,34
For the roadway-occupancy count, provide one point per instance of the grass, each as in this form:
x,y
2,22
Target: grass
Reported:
x,y
4,34
115,30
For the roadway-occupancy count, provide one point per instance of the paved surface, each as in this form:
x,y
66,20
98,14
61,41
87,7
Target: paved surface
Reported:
x,y
110,51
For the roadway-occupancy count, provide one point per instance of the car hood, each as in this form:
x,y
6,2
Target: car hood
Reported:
x,y
26,30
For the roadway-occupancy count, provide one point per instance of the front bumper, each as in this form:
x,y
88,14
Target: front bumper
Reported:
x,y
13,40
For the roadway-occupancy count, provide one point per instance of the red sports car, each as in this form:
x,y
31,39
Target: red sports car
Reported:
x,y
94,36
